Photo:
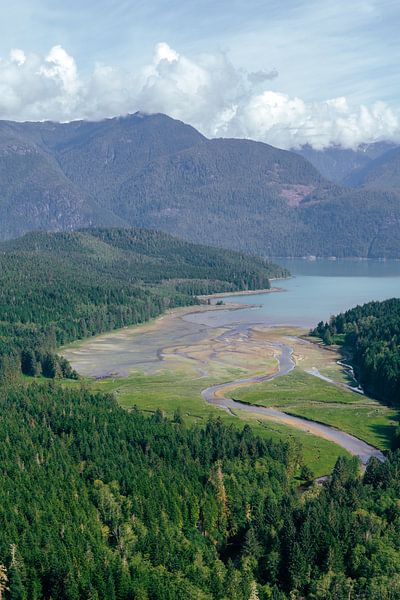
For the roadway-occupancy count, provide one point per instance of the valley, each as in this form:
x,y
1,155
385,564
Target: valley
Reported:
x,y
199,300
171,364
197,420
173,377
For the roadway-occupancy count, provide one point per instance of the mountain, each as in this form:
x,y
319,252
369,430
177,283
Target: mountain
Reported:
x,y
56,175
383,173
337,164
155,172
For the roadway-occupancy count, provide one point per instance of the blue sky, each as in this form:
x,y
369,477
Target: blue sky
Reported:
x,y
318,52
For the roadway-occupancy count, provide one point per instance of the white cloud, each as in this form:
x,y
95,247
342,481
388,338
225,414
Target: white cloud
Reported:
x,y
291,122
59,65
208,92
18,56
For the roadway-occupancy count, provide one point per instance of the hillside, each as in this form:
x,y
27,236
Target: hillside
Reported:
x,y
58,287
98,502
370,166
53,176
156,172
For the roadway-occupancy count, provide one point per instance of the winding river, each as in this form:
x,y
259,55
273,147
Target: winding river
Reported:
x,y
216,395
319,289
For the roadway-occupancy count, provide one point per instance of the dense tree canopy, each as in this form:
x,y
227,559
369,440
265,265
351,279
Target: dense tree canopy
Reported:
x,y
96,502
55,288
100,503
372,333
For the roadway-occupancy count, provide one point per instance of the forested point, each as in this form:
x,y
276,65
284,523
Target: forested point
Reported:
x,y
99,503
372,334
59,287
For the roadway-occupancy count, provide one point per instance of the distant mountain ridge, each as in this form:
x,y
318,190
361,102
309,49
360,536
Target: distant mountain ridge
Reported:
x,y
383,173
338,164
155,172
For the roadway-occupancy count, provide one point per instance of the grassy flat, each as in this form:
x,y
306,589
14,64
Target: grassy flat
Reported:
x,y
170,391
296,387
304,395
375,424
195,357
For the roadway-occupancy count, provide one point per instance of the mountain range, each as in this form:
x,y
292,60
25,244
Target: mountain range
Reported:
x,y
339,164
155,172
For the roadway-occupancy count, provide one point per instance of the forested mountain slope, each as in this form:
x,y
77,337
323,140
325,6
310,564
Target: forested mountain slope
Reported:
x,y
383,173
54,175
153,171
57,287
370,166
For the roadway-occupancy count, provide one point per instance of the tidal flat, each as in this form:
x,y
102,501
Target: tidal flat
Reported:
x,y
168,363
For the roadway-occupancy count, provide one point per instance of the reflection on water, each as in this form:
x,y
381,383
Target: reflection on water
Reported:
x,y
341,267
324,289
318,290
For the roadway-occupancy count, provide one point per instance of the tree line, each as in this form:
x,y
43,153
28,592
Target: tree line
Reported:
x,y
99,503
56,288
372,334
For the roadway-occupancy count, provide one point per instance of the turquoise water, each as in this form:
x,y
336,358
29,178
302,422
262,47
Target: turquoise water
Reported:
x,y
317,290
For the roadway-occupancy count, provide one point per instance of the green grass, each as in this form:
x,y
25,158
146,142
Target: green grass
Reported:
x,y
298,393
296,387
304,395
168,391
375,425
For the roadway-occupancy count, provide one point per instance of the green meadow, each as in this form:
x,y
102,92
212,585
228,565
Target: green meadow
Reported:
x,y
173,391
304,395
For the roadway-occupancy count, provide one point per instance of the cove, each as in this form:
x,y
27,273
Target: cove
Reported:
x,y
317,290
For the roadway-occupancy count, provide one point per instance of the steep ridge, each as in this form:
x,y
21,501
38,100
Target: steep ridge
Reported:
x,y
155,172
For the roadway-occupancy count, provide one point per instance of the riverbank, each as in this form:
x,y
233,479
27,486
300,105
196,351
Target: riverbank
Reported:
x,y
242,293
171,362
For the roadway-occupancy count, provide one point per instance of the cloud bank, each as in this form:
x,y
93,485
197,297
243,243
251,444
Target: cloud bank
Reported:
x,y
207,91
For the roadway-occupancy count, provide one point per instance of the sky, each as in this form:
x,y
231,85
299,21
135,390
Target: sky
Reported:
x,y
284,72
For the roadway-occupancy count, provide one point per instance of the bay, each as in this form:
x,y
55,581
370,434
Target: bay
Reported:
x,y
317,290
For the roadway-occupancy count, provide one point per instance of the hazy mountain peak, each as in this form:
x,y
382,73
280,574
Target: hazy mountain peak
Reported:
x,y
154,171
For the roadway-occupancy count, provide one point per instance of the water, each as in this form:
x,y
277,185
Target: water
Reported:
x,y
318,290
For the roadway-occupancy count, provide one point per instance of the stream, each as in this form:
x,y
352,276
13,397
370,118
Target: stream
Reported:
x,y
215,395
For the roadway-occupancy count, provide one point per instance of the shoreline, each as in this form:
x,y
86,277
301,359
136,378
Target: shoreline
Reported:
x,y
171,313
149,360
271,290
178,311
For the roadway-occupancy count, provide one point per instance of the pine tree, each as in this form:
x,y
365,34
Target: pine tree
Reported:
x,y
28,363
17,576
49,366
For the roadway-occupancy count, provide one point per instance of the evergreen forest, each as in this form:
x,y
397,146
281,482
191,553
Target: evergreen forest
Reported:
x,y
100,503
371,333
60,287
